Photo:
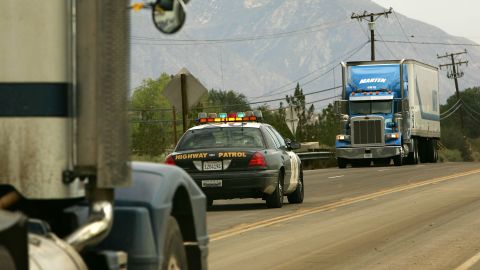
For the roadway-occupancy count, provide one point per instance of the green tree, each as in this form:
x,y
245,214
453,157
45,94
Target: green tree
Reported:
x,y
452,135
150,113
276,118
297,102
227,101
328,124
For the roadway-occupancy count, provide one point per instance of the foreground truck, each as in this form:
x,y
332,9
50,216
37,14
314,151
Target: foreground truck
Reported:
x,y
389,110
69,196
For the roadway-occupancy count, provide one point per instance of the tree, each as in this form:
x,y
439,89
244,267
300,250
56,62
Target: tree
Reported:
x,y
149,107
452,135
276,118
328,124
227,101
297,102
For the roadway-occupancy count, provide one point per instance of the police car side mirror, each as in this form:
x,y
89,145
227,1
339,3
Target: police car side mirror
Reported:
x,y
292,145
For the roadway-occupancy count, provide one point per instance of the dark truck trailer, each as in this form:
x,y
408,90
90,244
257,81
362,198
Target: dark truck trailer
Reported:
x,y
69,196
389,110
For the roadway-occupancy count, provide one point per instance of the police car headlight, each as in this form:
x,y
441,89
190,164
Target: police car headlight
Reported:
x,y
343,137
392,136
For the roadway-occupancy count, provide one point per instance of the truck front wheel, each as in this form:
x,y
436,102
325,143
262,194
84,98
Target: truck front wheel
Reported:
x,y
342,163
398,160
174,256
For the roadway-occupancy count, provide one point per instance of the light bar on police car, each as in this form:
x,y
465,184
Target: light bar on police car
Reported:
x,y
249,116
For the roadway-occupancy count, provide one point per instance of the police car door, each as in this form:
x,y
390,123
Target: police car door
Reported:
x,y
284,155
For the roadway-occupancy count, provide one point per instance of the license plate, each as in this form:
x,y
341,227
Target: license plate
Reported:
x,y
369,155
212,165
211,183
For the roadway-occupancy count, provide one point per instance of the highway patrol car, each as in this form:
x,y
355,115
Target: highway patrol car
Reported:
x,y
234,156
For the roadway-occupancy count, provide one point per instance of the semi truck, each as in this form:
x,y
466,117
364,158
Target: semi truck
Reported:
x,y
69,196
389,111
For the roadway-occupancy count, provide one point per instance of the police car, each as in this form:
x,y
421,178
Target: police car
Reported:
x,y
236,156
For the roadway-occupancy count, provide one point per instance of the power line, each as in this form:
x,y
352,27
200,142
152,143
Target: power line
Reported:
x,y
430,43
348,55
371,25
454,73
404,33
450,114
453,107
388,48
473,118
306,30
470,108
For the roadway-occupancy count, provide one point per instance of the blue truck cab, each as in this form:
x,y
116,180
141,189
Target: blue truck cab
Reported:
x,y
381,102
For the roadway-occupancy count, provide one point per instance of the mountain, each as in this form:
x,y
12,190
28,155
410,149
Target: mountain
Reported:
x,y
262,48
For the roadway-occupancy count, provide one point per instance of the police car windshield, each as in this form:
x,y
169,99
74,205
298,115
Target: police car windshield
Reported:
x,y
221,137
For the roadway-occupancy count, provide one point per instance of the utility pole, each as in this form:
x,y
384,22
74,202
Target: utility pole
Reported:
x,y
371,25
455,73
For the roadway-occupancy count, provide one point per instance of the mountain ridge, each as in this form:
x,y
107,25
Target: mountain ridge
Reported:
x,y
254,47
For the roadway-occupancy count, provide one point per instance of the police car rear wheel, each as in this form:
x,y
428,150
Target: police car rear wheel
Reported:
x,y
298,194
275,200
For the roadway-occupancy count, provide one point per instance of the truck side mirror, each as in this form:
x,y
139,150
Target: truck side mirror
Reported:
x,y
168,15
391,125
398,106
341,106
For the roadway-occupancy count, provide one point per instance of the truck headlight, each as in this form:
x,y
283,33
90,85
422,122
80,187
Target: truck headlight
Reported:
x,y
343,137
392,136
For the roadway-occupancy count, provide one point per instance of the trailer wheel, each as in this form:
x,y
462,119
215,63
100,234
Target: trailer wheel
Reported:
x,y
174,256
435,152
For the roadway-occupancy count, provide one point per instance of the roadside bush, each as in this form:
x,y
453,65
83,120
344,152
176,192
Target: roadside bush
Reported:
x,y
448,155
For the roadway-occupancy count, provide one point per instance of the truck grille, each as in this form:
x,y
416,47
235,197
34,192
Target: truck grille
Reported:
x,y
368,131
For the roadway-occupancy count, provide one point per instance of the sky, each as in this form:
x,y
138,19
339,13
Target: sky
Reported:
x,y
458,18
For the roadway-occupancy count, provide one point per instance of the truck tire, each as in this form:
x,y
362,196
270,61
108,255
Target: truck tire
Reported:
x,y
275,200
412,157
342,163
435,152
432,151
398,160
174,256
298,194
6,259
423,150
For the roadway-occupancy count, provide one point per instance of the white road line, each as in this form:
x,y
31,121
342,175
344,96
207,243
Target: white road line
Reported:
x,y
466,265
382,170
336,176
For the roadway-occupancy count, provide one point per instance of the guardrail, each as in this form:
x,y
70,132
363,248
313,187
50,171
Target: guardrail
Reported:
x,y
315,155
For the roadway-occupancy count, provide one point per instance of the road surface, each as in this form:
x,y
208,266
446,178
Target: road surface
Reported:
x,y
424,216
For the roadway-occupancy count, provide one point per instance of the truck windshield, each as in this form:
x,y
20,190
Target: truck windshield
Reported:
x,y
371,107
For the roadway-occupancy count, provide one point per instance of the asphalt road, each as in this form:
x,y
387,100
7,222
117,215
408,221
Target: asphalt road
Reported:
x,y
425,216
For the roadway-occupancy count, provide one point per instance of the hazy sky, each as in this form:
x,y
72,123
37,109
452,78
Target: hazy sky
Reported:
x,y
459,17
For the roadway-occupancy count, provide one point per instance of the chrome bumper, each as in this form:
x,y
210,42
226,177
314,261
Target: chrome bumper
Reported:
x,y
368,152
